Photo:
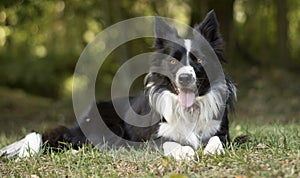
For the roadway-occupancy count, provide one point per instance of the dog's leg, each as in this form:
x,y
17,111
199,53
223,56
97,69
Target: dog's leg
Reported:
x,y
178,152
217,143
55,139
214,146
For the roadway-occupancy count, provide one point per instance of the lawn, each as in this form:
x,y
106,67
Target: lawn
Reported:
x,y
274,151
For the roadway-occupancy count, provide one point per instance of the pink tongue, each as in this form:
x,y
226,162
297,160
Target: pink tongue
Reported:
x,y
186,99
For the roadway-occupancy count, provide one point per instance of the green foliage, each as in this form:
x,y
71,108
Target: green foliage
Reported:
x,y
41,41
256,29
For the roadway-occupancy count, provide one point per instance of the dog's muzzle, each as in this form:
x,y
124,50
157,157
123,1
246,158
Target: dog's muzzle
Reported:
x,y
186,86
186,80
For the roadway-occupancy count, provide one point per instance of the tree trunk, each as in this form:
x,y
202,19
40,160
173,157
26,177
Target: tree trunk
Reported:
x,y
282,34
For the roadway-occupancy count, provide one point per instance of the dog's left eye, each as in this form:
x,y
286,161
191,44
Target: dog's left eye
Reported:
x,y
195,59
173,61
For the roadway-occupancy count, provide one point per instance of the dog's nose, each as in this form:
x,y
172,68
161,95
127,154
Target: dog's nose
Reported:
x,y
185,79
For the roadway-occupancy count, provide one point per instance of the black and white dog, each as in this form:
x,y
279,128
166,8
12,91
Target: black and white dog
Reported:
x,y
191,107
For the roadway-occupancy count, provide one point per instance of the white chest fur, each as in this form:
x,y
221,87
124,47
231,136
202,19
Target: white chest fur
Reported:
x,y
188,126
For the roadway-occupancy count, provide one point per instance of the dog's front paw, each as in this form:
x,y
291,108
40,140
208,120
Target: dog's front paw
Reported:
x,y
178,152
214,146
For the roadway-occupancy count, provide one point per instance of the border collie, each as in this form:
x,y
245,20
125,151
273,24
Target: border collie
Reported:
x,y
191,107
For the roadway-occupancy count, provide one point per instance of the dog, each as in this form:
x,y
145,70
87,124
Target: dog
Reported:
x,y
190,107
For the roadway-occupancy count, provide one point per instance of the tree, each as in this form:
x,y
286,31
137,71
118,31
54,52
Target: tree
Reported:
x,y
282,34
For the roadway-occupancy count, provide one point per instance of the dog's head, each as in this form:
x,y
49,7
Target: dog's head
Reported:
x,y
184,59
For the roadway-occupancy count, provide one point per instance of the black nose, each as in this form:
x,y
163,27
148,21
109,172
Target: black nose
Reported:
x,y
185,79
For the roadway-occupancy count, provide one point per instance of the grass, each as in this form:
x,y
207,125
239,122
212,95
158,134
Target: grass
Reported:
x,y
273,152
20,110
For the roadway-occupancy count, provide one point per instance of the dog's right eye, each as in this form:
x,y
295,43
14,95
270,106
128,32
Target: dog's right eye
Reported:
x,y
200,61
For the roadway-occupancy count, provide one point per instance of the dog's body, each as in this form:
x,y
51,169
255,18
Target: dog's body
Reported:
x,y
190,108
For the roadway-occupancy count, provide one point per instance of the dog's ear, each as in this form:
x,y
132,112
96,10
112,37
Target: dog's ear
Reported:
x,y
209,29
163,33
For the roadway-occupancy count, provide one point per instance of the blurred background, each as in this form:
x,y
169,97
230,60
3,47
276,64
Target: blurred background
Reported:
x,y
41,41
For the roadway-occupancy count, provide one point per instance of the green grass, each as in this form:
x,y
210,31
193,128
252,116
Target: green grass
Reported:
x,y
273,152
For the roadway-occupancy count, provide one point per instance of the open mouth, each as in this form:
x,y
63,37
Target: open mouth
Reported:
x,y
186,97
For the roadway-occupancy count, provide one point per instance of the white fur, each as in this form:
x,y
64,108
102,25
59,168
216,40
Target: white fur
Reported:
x,y
31,145
234,90
28,146
188,46
177,151
214,146
192,125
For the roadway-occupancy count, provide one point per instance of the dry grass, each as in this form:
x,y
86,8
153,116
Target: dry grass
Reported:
x,y
273,152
